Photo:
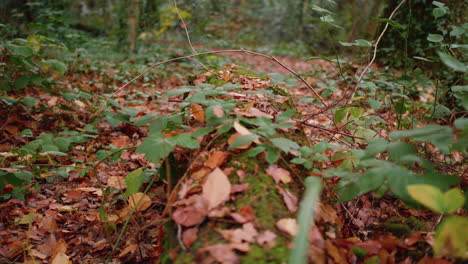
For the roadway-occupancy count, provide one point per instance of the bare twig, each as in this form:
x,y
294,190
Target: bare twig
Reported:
x,y
361,76
225,51
330,130
184,26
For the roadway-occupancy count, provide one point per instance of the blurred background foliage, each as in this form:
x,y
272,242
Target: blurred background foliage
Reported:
x,y
290,27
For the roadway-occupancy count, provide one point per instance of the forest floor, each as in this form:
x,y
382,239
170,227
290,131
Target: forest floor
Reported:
x,y
97,199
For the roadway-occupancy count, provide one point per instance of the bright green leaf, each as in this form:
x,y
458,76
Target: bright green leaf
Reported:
x,y
134,180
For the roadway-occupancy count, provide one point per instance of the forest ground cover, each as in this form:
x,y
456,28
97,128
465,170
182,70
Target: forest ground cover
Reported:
x,y
227,157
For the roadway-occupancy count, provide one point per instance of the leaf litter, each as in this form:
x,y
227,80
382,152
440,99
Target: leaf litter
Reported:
x,y
65,222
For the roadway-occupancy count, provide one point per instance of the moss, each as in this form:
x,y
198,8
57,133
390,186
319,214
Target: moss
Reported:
x,y
258,255
404,227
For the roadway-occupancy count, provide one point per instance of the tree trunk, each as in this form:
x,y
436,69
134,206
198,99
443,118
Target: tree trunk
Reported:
x,y
133,22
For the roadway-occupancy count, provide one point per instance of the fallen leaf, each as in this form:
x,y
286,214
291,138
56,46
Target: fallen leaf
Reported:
x,y
218,111
190,236
334,252
198,112
128,249
96,191
247,233
233,137
288,226
192,214
121,141
144,204
61,258
289,199
267,239
216,159
253,112
216,188
117,182
222,253
239,187
279,174
243,131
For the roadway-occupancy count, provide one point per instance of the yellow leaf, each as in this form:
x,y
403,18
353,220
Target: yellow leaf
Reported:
x,y
453,200
450,239
427,195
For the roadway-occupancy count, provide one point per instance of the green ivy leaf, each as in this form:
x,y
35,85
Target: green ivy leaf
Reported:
x,y
134,180
452,62
156,147
284,144
435,38
185,140
242,140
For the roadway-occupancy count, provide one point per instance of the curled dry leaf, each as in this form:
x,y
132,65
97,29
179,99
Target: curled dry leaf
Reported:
x,y
288,226
289,199
190,236
216,188
200,174
120,142
278,174
216,159
192,214
239,187
144,204
267,239
198,112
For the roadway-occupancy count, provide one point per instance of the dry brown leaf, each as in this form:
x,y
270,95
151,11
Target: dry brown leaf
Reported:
x,y
93,190
47,248
198,112
200,174
216,159
267,239
288,226
226,75
120,142
222,253
144,204
218,111
289,199
326,213
128,249
253,112
192,214
236,135
247,233
243,131
334,252
216,188
61,258
280,175
117,182
190,236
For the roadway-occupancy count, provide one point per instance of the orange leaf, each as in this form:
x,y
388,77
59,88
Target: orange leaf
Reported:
x,y
145,202
198,112
216,159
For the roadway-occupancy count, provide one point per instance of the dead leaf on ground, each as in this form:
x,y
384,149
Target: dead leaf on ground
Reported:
x,y
218,111
145,201
216,188
252,112
247,233
117,182
267,239
243,131
233,137
198,112
190,236
289,199
280,175
222,253
288,226
121,141
216,159
192,214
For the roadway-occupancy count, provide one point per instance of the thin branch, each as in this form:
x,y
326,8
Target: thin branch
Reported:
x,y
330,130
361,76
224,51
